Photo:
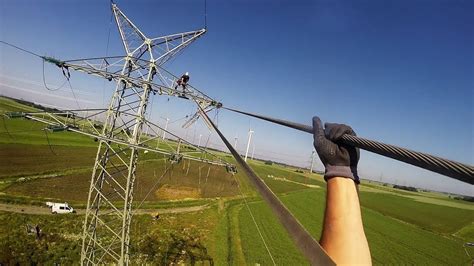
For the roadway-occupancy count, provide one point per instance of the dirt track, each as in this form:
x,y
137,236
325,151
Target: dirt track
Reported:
x,y
28,209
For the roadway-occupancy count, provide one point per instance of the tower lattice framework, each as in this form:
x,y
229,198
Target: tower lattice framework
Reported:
x,y
106,230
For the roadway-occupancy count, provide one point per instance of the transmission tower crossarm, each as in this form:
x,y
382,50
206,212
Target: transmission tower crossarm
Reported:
x,y
206,107
129,33
35,116
165,88
170,45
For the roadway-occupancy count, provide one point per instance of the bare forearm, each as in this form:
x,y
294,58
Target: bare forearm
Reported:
x,y
343,235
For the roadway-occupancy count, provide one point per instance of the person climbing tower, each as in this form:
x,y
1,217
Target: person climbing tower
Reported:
x,y
183,82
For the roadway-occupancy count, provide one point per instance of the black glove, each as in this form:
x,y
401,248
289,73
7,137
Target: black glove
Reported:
x,y
339,159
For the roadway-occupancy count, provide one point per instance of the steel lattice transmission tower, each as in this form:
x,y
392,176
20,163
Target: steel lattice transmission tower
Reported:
x,y
106,231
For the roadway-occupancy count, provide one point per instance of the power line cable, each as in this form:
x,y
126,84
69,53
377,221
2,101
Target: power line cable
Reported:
x,y
44,81
254,221
49,143
19,131
205,14
6,129
154,185
73,94
456,170
65,72
21,49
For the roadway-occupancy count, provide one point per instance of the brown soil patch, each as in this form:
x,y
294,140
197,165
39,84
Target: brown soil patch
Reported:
x,y
169,192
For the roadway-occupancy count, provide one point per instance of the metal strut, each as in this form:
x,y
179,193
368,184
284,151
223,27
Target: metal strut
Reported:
x,y
303,240
453,169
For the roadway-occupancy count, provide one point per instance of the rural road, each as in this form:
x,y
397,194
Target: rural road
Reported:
x,y
28,209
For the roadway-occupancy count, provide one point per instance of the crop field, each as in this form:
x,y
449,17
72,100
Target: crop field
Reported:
x,y
402,227
437,218
392,241
17,159
176,184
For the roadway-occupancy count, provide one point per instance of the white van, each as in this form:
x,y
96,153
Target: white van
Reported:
x,y
60,207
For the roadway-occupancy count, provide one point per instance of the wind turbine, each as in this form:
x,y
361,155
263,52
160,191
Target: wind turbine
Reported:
x,y
312,162
166,127
199,142
248,143
235,142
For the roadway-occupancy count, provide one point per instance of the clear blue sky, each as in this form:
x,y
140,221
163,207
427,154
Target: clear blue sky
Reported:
x,y
400,72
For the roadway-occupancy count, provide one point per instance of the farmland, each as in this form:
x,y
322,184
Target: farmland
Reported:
x,y
402,227
391,240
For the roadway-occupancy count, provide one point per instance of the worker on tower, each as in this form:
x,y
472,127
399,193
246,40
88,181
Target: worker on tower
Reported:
x,y
183,82
343,236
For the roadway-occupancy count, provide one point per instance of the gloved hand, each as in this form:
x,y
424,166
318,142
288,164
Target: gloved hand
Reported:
x,y
339,159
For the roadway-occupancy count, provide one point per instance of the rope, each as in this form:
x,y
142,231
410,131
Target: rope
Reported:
x,y
456,170
303,240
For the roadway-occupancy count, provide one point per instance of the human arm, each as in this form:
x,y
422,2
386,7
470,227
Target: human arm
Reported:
x,y
343,235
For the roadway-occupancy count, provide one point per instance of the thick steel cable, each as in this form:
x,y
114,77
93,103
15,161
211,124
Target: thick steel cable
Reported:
x,y
456,170
303,240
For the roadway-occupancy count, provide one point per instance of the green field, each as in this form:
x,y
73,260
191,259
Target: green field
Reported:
x,y
436,218
402,227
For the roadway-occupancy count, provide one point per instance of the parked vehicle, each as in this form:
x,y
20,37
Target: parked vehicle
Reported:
x,y
60,207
